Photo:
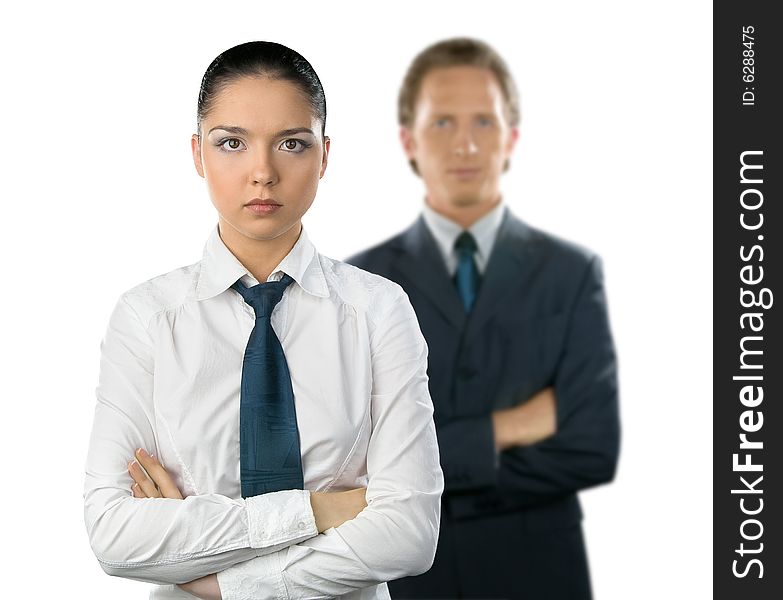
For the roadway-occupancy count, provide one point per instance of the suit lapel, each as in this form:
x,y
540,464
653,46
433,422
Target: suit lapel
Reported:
x,y
510,265
421,265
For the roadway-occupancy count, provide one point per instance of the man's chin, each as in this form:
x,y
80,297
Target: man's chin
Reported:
x,y
467,201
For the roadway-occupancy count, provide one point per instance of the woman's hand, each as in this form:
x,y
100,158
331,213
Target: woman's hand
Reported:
x,y
335,508
206,588
152,481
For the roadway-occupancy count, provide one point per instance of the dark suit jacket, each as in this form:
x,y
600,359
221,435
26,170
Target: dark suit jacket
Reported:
x,y
511,522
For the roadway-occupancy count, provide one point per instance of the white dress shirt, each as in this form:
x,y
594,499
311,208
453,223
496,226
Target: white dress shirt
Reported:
x,y
171,365
445,231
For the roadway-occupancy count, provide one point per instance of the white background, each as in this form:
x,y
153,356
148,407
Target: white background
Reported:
x,y
98,194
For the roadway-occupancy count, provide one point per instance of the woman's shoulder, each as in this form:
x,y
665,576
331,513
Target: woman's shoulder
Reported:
x,y
163,292
360,288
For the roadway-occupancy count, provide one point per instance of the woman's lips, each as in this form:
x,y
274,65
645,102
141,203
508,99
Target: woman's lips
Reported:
x,y
262,207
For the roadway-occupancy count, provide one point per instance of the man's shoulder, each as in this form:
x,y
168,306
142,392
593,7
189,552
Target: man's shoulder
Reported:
x,y
557,251
531,242
163,292
378,258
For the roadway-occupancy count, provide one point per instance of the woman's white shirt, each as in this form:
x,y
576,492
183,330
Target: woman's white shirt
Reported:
x,y
171,365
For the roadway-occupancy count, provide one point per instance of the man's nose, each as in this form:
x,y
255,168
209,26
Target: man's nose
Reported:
x,y
465,144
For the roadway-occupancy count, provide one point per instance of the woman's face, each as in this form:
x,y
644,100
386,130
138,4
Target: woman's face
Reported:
x,y
262,154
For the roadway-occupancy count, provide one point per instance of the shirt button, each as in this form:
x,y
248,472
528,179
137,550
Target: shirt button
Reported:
x,y
301,525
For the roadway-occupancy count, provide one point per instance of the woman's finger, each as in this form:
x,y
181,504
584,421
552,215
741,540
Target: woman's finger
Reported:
x,y
145,483
159,475
136,490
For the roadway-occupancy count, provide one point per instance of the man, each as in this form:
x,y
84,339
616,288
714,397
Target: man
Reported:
x,y
521,361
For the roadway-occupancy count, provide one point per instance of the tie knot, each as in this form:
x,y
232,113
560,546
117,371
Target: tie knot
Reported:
x,y
264,296
466,243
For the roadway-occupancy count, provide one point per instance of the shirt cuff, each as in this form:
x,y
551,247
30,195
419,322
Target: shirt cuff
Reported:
x,y
280,517
260,577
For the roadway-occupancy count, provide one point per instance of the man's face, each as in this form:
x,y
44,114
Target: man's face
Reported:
x,y
460,138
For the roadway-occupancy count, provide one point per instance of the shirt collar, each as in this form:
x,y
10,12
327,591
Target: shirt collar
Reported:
x,y
445,231
220,268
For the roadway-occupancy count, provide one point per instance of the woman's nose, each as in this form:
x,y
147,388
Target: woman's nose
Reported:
x,y
264,172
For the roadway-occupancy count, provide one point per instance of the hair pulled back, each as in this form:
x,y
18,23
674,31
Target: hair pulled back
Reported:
x,y
261,59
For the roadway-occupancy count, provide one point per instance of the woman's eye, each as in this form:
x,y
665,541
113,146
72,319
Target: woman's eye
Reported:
x,y
293,145
231,145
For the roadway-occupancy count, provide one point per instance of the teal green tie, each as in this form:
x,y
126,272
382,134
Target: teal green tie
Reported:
x,y
269,456
467,277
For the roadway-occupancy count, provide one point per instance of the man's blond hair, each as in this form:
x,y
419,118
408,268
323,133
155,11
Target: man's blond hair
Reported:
x,y
456,52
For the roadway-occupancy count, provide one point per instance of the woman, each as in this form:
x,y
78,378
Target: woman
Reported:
x,y
176,368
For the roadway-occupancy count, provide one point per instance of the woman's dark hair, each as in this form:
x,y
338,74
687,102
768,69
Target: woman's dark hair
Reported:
x,y
261,59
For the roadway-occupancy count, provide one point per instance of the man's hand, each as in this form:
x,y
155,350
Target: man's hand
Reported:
x,y
526,423
335,508
153,481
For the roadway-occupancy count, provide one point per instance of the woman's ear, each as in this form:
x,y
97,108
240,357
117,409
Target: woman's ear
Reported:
x,y
325,158
195,147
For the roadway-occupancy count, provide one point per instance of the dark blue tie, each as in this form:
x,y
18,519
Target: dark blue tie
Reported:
x,y
467,276
269,455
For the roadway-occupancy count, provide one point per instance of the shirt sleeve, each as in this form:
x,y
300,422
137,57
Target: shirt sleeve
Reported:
x,y
162,540
397,533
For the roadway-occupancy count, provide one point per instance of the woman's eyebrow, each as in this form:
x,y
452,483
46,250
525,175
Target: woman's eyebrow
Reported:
x,y
294,131
242,131
230,129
